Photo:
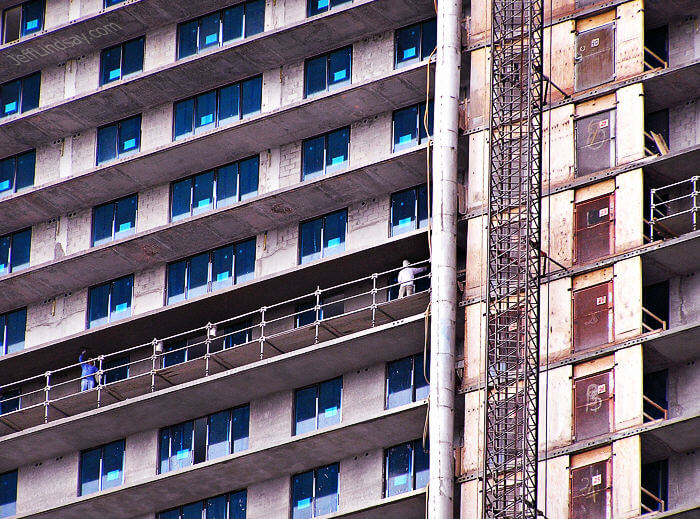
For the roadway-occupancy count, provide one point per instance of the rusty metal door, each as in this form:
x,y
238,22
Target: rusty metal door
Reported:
x,y
593,235
593,316
590,491
592,406
595,57
595,143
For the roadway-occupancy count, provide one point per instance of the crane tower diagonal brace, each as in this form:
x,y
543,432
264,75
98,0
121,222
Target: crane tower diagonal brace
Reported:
x,y
512,339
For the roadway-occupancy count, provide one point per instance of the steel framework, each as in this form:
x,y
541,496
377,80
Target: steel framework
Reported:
x,y
515,172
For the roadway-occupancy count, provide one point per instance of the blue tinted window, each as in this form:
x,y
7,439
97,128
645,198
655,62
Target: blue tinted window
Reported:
x,y
315,493
329,397
237,505
177,353
211,271
203,192
227,185
315,75
241,423
249,177
32,17
406,381
102,468
334,233
409,127
328,71
339,64
218,435
17,172
325,153
310,240
8,494
217,107
317,406
14,251
115,369
180,206
114,220
305,410
9,401
110,302
14,325
20,95
240,333
212,508
415,42
215,508
110,3
221,27
119,139
314,7
121,60
406,468
30,91
409,210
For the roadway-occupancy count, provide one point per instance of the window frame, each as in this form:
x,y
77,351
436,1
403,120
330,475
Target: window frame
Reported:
x,y
9,266
317,387
245,408
118,126
322,237
114,203
204,502
421,55
220,40
122,47
328,87
12,474
214,188
415,373
101,474
109,301
326,168
314,485
210,273
420,139
4,331
21,30
21,97
416,223
217,121
331,4
15,171
412,474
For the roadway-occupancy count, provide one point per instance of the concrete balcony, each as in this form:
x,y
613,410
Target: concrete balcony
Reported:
x,y
220,305
674,346
136,17
208,70
245,468
195,393
287,124
671,86
177,240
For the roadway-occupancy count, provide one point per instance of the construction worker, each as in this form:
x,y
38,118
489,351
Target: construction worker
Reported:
x,y
87,372
406,277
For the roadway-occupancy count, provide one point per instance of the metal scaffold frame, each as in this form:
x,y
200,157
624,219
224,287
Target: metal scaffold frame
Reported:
x,y
515,173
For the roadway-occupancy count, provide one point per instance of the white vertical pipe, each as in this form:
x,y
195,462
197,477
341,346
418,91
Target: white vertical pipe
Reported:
x,y
443,297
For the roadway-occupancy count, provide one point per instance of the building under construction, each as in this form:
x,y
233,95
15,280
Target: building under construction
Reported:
x,y
349,258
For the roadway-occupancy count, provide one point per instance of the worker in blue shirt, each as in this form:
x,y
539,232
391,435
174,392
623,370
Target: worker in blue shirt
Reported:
x,y
87,371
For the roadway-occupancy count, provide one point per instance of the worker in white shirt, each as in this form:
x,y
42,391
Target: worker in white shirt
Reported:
x,y
406,277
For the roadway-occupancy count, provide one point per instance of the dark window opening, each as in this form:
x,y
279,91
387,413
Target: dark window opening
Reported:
x,y
655,482
656,48
655,300
8,494
12,330
656,395
656,135
115,369
23,20
9,402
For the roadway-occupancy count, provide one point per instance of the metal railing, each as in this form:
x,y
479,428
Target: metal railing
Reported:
x,y
655,318
656,406
646,509
209,349
669,204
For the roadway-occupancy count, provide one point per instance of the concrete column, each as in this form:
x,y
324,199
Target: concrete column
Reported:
x,y
443,297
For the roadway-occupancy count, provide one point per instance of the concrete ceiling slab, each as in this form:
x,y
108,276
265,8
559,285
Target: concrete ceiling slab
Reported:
x,y
670,87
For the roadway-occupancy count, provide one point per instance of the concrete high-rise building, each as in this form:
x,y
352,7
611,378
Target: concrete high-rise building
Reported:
x,y
205,212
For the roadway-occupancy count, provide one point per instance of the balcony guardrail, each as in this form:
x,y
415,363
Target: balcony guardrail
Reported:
x,y
653,61
674,209
646,509
324,314
647,416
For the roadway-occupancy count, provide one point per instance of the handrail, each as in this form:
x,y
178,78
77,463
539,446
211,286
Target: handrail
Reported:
x,y
656,318
662,63
207,344
655,405
671,202
660,501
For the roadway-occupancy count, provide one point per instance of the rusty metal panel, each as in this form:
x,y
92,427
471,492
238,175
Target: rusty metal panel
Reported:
x,y
592,406
580,4
595,57
591,497
593,314
595,143
593,235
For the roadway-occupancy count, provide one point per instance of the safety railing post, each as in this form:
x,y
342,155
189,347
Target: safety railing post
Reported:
x,y
317,313
262,331
695,203
211,332
99,378
154,360
374,299
47,389
652,207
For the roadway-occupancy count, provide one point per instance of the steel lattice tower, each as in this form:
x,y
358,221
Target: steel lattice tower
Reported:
x,y
515,173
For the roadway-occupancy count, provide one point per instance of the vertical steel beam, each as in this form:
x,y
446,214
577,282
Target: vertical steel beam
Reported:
x,y
515,172
443,297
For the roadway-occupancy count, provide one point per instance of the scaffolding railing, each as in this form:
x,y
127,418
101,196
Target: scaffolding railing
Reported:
x,y
209,349
674,208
